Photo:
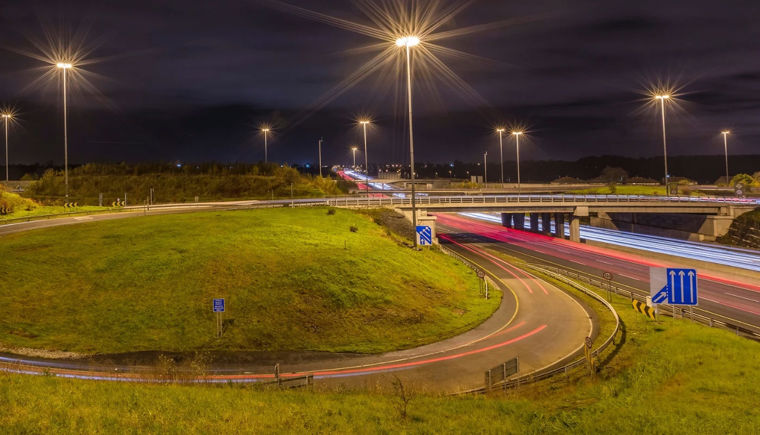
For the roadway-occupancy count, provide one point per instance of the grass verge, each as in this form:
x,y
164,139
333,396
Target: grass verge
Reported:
x,y
669,376
293,279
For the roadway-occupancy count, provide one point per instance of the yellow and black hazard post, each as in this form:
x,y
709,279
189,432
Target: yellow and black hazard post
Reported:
x,y
642,308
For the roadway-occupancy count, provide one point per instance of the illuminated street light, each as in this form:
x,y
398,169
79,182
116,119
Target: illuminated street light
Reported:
x,y
725,134
6,117
407,42
353,149
364,123
662,99
517,135
501,154
265,130
65,66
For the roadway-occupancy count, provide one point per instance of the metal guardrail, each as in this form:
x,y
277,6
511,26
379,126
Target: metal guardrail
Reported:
x,y
695,314
533,199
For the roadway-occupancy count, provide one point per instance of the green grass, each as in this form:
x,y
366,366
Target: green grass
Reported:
x,y
49,210
294,279
668,377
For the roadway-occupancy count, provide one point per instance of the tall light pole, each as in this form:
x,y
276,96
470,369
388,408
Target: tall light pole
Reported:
x,y
266,133
320,157
64,66
364,124
408,42
725,134
501,154
6,117
517,135
662,99
353,149
485,169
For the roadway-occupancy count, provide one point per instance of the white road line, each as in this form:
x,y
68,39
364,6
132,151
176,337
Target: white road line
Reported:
x,y
742,297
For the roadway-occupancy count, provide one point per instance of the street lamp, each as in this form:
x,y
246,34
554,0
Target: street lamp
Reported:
x,y
517,135
320,156
501,154
265,130
485,169
662,99
407,42
65,66
6,117
725,134
364,123
353,149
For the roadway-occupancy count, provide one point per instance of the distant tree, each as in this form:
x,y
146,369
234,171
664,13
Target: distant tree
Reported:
x,y
745,179
612,174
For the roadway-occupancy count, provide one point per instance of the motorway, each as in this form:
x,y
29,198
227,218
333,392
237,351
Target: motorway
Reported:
x,y
537,322
728,297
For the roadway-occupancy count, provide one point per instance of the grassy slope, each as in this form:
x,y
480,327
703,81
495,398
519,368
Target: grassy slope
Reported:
x,y
669,377
294,279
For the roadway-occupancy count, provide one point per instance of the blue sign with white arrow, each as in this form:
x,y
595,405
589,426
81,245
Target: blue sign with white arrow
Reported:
x,y
424,235
674,286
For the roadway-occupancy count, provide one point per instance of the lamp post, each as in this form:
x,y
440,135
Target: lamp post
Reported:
x,y
6,117
266,133
517,135
725,148
501,154
65,66
407,42
320,156
353,149
364,124
485,169
662,99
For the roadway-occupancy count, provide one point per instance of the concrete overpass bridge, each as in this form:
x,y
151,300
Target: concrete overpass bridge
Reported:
x,y
718,213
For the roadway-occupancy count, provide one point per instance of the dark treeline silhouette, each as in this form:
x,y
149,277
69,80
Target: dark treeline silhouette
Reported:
x,y
703,169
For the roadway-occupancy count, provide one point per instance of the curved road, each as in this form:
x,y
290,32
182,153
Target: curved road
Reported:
x,y
536,322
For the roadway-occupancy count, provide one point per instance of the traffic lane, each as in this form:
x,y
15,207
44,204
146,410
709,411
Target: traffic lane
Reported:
x,y
556,325
724,299
636,277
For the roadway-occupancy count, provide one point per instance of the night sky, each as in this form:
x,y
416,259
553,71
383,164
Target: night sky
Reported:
x,y
192,80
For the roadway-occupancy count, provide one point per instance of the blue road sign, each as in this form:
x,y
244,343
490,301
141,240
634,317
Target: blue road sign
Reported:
x,y
680,286
219,305
424,235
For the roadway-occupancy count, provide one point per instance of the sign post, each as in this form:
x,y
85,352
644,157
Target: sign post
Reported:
x,y
219,310
608,277
673,286
424,235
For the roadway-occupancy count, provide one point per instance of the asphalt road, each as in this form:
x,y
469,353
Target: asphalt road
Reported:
x,y
730,297
536,322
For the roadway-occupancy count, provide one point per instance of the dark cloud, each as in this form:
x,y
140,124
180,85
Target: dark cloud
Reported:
x,y
190,79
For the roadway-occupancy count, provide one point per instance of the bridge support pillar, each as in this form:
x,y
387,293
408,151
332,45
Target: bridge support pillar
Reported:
x,y
546,223
519,219
575,229
506,220
534,222
559,225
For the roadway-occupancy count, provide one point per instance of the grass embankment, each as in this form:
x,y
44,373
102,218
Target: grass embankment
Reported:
x,y
181,184
294,279
14,206
670,376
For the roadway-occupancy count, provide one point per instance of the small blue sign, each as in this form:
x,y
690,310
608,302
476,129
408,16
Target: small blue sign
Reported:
x,y
680,288
424,235
219,305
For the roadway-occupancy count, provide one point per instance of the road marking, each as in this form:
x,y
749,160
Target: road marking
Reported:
x,y
83,218
742,297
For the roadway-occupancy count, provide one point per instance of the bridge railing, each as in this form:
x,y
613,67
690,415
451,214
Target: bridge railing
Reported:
x,y
427,200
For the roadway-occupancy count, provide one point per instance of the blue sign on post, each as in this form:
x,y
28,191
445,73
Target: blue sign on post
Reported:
x,y
674,286
424,235
219,305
